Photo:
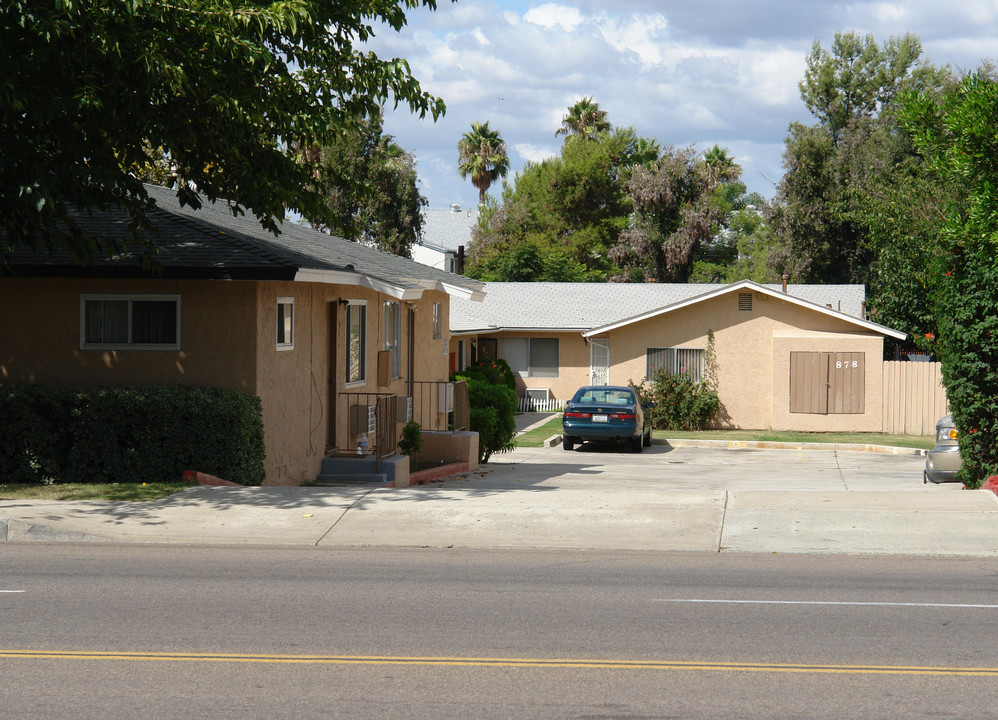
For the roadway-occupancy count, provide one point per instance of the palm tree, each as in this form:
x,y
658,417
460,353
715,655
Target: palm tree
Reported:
x,y
721,167
584,119
482,155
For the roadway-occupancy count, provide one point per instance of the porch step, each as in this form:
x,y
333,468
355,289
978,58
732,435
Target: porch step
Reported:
x,y
373,479
350,470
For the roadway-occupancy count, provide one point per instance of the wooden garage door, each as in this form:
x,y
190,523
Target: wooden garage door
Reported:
x,y
827,383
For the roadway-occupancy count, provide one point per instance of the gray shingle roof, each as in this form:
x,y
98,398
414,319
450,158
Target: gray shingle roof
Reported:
x,y
211,242
584,306
446,229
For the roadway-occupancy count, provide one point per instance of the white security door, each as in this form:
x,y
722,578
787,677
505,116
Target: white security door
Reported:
x,y
599,361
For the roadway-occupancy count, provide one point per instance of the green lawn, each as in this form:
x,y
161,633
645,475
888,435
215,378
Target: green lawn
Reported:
x,y
142,492
536,438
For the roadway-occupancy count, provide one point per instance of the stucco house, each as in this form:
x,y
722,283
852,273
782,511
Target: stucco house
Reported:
x,y
794,357
312,324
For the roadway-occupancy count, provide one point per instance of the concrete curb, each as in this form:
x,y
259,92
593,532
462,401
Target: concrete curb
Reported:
x,y
774,445
422,477
16,530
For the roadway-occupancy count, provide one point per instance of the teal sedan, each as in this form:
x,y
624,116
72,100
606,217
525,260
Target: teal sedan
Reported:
x,y
605,413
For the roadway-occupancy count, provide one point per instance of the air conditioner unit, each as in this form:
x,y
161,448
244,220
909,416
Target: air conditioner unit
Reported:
x,y
361,419
445,397
539,393
403,410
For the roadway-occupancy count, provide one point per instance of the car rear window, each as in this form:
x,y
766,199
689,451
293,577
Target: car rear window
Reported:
x,y
605,397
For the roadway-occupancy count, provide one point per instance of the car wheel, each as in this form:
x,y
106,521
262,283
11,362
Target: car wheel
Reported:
x,y
567,442
646,440
636,444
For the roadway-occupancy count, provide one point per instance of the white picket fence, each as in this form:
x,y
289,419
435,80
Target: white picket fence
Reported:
x,y
527,404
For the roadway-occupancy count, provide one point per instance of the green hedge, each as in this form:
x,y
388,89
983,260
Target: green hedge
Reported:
x,y
678,402
492,396
128,434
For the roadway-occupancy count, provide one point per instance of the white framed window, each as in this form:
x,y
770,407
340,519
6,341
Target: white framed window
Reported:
x,y
129,322
437,311
393,335
356,342
675,361
531,357
285,323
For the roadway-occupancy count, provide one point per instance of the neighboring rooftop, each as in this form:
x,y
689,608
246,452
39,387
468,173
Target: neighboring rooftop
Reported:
x,y
445,229
584,306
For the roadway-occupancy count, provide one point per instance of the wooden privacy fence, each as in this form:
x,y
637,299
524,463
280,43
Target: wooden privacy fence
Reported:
x,y
914,398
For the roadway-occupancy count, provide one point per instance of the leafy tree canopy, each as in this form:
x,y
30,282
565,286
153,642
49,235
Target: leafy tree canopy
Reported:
x,y
959,139
839,171
371,192
571,207
222,88
676,212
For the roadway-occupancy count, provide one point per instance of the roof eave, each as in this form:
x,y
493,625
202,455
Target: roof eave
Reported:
x,y
355,279
749,284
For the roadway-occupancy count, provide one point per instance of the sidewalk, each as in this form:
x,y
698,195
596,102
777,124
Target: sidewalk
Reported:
x,y
678,499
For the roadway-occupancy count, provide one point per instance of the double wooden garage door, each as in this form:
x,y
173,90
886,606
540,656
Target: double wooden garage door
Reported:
x,y
824,383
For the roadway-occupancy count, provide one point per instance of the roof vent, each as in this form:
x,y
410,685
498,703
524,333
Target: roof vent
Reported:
x,y
455,207
745,301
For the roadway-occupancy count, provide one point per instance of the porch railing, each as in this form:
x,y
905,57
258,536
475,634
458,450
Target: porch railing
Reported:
x,y
434,405
441,405
376,416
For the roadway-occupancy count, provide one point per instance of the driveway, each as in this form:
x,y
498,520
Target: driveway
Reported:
x,y
667,498
663,467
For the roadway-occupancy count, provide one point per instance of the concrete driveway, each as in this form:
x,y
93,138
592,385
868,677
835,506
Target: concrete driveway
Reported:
x,y
668,468
687,498
667,498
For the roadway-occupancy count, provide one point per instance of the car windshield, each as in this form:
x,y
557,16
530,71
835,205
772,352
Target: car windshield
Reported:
x,y
603,396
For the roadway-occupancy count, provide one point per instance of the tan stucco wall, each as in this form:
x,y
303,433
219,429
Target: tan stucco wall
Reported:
x,y
754,369
753,358
217,326
573,358
228,340
294,384
871,346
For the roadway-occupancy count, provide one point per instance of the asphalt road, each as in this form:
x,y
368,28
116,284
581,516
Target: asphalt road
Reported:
x,y
123,631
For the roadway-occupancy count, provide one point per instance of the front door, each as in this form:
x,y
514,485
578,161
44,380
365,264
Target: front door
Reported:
x,y
599,361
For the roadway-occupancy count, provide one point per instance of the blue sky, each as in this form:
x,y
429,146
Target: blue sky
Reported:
x,y
715,71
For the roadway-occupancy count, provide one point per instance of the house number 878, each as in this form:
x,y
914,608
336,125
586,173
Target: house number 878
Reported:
x,y
839,364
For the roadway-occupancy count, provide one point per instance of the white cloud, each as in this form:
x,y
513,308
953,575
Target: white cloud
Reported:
x,y
550,15
722,71
642,35
536,153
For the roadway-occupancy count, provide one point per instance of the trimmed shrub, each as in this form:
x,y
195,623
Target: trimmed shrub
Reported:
x,y
129,434
492,396
679,403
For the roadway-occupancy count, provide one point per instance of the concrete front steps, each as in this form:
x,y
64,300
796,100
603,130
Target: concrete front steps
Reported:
x,y
361,470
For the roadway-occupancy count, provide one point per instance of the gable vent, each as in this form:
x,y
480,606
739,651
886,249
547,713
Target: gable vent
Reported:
x,y
745,301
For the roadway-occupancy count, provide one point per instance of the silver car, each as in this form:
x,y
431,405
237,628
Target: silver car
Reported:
x,y
944,458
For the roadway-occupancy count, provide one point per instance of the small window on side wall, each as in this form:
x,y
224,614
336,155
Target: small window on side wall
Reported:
x,y
436,319
285,323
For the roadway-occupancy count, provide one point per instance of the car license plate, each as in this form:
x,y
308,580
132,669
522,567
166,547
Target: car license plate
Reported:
x,y
599,418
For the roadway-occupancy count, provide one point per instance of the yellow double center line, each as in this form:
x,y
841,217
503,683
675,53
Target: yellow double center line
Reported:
x,y
472,662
